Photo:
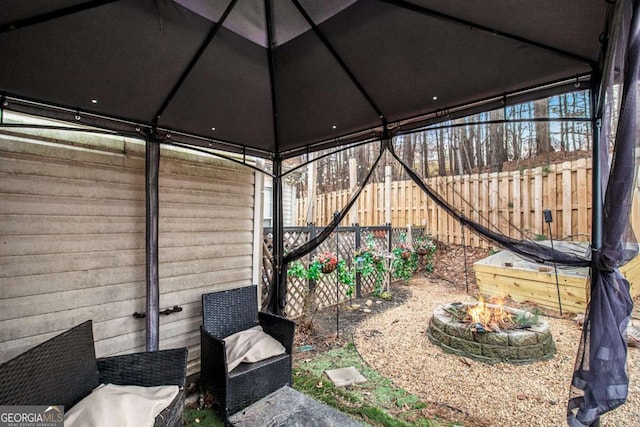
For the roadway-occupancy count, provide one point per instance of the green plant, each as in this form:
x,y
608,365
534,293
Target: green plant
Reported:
x,y
323,263
539,237
368,260
531,318
403,268
297,269
385,296
346,276
426,248
367,263
405,261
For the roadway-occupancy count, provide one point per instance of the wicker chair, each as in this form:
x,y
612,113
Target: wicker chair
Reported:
x,y
64,369
225,313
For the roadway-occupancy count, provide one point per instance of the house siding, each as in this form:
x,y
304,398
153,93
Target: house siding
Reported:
x,y
72,240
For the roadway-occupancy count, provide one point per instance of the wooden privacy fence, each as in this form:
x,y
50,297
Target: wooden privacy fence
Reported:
x,y
511,203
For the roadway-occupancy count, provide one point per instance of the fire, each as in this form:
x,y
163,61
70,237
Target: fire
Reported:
x,y
492,316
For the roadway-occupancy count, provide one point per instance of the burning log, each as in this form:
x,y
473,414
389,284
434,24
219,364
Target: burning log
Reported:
x,y
491,317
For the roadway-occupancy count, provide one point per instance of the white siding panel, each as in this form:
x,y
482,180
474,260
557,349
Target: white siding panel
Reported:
x,y
72,240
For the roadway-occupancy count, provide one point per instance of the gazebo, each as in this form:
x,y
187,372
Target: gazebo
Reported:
x,y
275,79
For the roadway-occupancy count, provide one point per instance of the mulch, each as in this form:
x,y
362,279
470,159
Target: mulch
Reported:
x,y
331,328
391,339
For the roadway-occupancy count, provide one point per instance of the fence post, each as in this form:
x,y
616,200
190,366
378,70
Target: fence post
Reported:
x,y
389,247
387,194
356,228
312,234
353,183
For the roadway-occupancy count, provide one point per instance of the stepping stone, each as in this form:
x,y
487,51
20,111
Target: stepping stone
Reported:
x,y
287,407
345,376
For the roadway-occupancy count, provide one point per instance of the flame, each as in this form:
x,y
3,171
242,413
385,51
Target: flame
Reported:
x,y
492,315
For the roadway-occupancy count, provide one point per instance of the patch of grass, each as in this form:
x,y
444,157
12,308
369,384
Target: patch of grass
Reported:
x,y
205,418
377,402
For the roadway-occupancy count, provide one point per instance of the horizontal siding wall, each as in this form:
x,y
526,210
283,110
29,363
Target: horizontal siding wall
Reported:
x,y
72,241
206,241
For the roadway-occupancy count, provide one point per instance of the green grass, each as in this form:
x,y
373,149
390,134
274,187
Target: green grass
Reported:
x,y
205,418
377,402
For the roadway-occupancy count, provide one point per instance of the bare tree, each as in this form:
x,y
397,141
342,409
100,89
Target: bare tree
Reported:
x,y
497,151
543,133
442,167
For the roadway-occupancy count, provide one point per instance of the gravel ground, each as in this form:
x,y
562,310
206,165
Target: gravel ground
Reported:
x,y
394,342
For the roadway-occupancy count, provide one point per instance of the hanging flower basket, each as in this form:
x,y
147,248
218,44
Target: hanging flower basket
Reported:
x,y
325,261
425,246
328,268
402,249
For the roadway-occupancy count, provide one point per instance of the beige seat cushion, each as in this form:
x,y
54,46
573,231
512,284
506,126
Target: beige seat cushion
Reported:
x,y
251,345
121,405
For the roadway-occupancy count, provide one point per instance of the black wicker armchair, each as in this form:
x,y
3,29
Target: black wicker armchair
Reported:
x,y
225,313
64,369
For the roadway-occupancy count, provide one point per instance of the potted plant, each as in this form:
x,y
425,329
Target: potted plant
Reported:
x,y
326,261
406,260
369,259
424,245
323,263
426,248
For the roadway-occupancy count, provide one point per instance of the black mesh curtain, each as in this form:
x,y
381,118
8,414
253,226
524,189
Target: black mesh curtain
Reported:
x,y
600,381
278,293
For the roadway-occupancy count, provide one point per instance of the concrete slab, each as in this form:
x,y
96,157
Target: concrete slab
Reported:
x,y
345,376
287,407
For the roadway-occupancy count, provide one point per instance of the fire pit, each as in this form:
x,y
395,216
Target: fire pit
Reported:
x,y
491,333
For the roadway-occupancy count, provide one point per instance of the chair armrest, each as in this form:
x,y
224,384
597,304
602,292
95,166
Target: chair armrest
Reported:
x,y
213,348
279,328
147,369
213,365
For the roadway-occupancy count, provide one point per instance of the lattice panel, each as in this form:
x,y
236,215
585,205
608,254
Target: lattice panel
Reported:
x,y
266,274
396,233
297,290
368,283
417,233
326,291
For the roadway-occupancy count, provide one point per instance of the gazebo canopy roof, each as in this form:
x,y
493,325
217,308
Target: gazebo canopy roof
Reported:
x,y
280,77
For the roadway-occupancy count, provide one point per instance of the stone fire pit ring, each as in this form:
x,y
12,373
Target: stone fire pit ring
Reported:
x,y
517,346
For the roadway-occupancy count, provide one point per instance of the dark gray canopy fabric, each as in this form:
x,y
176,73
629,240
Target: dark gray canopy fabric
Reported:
x,y
278,78
281,76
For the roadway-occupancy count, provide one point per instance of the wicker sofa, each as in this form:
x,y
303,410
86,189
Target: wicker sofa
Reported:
x,y
224,313
64,369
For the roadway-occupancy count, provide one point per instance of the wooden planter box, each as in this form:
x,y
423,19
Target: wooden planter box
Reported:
x,y
504,274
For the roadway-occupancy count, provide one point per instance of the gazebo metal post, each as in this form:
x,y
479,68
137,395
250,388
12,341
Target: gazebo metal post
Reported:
x,y
278,238
596,192
152,165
